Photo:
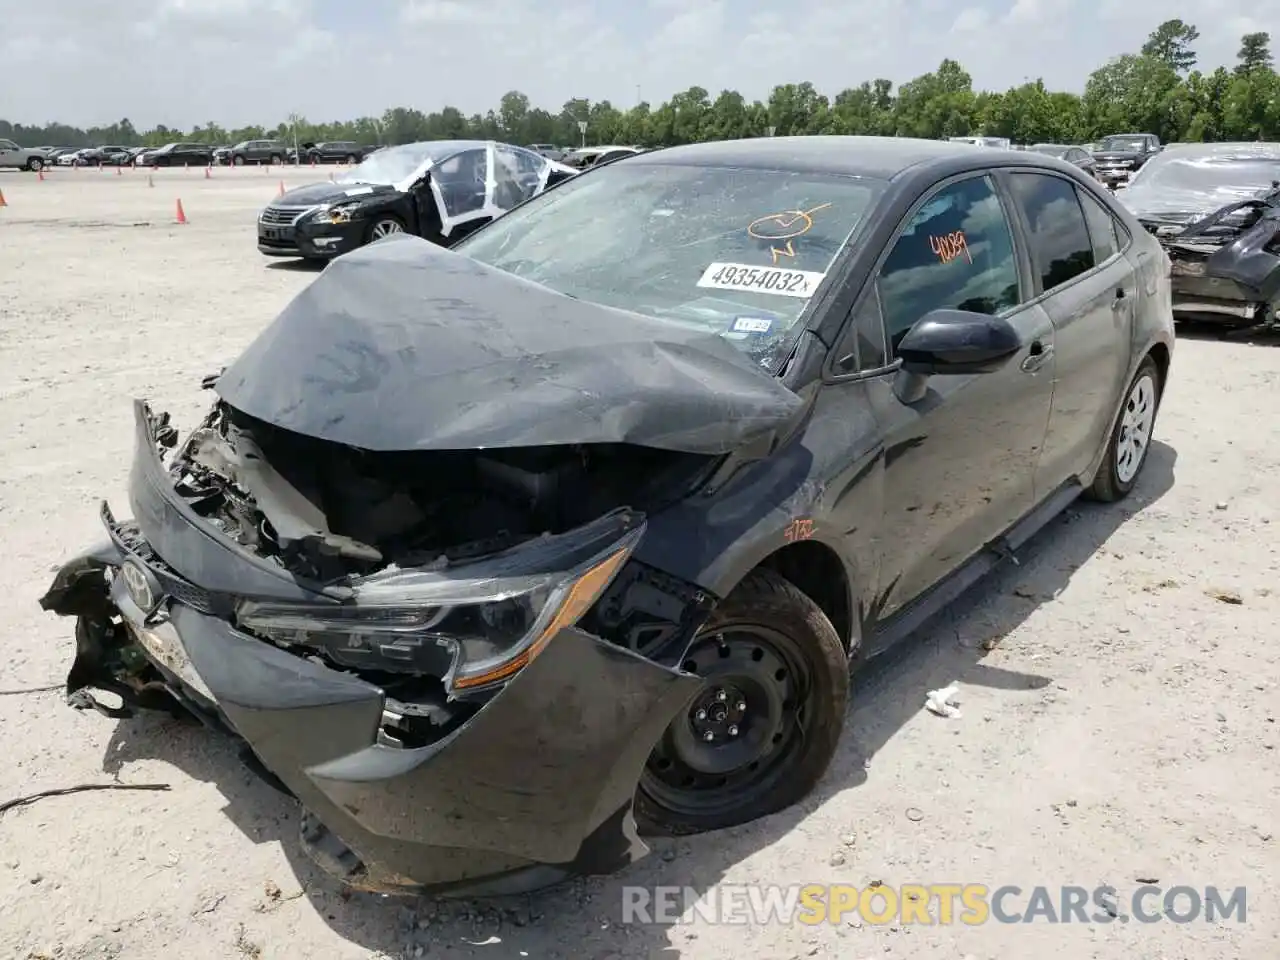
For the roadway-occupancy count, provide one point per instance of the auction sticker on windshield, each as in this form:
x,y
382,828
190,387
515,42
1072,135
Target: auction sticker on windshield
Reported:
x,y
775,280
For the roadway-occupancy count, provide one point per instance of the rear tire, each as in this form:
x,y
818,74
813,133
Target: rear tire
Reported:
x,y
351,158
1130,437
761,733
273,160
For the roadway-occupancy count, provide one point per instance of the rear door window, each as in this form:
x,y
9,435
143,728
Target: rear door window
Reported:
x,y
1060,244
1102,228
956,253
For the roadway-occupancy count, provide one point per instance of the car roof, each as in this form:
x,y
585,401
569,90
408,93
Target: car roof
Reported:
x,y
874,157
441,150
1242,150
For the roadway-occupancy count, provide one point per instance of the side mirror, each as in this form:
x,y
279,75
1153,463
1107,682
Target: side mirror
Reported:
x,y
958,342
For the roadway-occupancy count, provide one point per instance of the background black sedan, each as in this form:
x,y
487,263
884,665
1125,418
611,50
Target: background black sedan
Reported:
x,y
177,155
440,190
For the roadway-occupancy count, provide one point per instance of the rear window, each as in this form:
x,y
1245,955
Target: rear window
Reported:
x,y
1060,241
733,251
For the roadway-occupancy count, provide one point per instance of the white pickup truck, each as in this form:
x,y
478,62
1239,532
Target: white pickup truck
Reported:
x,y
24,158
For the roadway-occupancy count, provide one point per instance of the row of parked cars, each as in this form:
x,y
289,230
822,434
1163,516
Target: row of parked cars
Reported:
x,y
181,153
254,152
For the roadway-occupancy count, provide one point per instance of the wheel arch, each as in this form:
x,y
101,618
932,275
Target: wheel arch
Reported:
x,y
817,571
1163,357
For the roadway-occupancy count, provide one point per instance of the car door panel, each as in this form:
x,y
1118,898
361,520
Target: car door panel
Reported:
x,y
1090,293
960,461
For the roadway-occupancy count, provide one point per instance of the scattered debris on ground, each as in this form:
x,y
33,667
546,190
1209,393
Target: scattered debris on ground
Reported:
x,y
78,788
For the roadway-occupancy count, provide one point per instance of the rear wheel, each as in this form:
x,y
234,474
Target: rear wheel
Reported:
x,y
274,159
761,732
1131,438
351,158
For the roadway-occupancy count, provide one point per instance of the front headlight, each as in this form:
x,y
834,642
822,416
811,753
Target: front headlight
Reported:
x,y
339,214
475,633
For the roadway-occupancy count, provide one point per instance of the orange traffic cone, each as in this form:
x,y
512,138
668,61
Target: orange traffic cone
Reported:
x,y
3,201
281,192
207,173
40,174
181,215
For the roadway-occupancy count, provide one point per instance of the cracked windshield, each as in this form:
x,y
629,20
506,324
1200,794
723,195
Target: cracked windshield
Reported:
x,y
731,251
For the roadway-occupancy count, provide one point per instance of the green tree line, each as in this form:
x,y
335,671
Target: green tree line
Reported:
x,y
1155,90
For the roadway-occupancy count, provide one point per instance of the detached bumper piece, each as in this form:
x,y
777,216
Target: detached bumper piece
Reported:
x,y
513,788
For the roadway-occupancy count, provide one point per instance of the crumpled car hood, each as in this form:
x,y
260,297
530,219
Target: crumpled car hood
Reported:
x,y
1166,203
403,345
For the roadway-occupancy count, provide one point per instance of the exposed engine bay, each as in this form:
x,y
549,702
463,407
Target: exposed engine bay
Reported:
x,y
327,512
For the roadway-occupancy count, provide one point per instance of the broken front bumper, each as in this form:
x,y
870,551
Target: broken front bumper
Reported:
x,y
533,787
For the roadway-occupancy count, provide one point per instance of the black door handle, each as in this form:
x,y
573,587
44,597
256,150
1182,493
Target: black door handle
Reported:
x,y
1037,354
1122,298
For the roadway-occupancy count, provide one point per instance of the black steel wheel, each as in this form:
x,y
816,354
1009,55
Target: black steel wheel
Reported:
x,y
761,732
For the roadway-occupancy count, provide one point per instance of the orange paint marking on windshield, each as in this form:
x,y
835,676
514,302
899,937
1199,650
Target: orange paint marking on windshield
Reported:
x,y
951,246
785,225
788,251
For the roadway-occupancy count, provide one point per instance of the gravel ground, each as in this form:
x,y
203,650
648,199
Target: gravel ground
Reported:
x,y
1118,689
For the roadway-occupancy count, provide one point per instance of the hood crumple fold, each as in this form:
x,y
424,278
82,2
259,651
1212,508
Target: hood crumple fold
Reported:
x,y
403,345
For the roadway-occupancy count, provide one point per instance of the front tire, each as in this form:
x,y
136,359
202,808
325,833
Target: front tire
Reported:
x,y
761,733
383,227
237,161
35,164
1130,438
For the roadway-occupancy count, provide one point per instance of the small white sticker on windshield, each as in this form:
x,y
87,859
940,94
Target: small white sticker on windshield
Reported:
x,y
775,280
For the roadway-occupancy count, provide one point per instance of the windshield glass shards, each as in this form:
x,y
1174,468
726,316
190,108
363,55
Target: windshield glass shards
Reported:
x,y
737,252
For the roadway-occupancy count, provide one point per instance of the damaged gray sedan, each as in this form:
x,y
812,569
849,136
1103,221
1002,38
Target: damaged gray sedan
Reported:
x,y
492,555
1215,208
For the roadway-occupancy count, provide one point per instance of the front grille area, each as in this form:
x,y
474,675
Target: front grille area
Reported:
x,y
282,216
171,583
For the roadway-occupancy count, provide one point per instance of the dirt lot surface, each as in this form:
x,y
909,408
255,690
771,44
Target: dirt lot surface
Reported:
x,y
1122,727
